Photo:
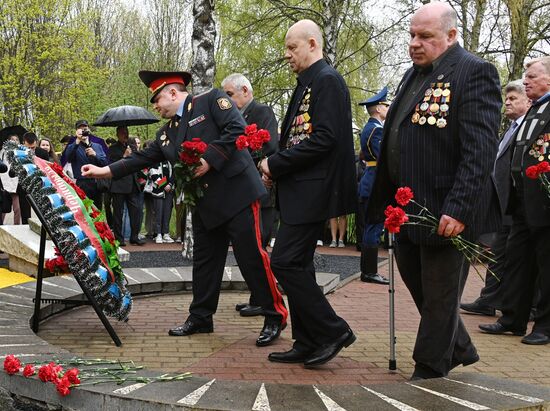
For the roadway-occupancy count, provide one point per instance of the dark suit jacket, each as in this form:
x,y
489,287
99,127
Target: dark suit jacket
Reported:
x,y
264,117
233,182
316,178
126,184
447,168
535,199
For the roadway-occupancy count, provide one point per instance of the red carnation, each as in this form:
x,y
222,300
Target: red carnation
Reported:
x,y
104,231
532,172
29,370
251,129
63,386
395,218
79,192
403,196
264,135
12,364
241,142
72,376
543,167
50,372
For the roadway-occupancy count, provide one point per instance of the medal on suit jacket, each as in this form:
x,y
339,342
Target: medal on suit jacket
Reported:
x,y
434,106
301,126
539,149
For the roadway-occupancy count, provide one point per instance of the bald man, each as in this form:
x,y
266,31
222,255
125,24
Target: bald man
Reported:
x,y
440,139
315,175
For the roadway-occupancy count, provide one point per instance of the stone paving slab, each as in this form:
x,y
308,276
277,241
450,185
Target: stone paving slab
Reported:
x,y
232,346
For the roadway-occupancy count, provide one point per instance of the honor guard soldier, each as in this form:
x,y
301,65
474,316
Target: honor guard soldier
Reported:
x,y
371,137
229,209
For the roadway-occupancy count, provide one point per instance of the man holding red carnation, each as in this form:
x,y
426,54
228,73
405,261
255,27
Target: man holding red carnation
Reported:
x,y
440,139
228,209
529,204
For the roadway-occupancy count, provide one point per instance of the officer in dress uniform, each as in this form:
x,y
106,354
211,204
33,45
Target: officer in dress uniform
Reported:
x,y
371,137
229,209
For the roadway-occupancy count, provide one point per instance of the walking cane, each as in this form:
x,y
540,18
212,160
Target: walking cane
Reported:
x,y
391,291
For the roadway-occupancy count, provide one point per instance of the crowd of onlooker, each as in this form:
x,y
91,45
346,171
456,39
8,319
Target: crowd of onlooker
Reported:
x,y
148,196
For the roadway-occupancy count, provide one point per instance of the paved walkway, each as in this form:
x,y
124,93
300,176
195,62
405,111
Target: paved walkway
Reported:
x,y
230,354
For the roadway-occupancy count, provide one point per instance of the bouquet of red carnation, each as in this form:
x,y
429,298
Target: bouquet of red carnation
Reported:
x,y
253,139
539,171
57,265
190,158
396,217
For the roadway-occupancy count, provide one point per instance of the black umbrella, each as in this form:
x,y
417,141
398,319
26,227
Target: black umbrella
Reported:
x,y
125,116
10,131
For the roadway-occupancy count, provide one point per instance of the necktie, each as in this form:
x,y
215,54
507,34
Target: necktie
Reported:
x,y
507,136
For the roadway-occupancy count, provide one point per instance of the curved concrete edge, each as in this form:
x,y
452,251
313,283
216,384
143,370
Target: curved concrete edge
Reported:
x,y
472,391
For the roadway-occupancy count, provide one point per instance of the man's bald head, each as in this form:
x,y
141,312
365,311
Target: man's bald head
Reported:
x,y
303,45
433,31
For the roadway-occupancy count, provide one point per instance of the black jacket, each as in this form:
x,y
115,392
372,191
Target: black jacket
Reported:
x,y
128,183
233,182
316,178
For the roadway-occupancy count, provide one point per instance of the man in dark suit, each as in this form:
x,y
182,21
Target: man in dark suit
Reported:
x,y
239,89
229,209
529,204
371,137
516,104
440,139
315,175
125,190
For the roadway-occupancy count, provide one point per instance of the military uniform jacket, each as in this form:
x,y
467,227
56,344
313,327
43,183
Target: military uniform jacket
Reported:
x,y
449,167
315,166
535,200
233,182
371,137
128,183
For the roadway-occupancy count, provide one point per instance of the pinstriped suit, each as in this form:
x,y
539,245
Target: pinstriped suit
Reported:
x,y
449,171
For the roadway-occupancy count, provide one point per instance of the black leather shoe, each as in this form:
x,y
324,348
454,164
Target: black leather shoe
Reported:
x,y
476,308
536,338
269,333
251,310
374,278
292,356
137,242
239,307
472,359
191,327
327,352
498,328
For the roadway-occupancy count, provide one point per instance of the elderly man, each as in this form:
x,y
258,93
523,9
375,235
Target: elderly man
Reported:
x,y
529,204
315,175
440,139
239,89
229,208
516,104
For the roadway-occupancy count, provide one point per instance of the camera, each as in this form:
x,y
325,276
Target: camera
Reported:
x,y
86,132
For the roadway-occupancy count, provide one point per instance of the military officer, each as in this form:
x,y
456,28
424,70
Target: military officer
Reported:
x,y
229,209
371,137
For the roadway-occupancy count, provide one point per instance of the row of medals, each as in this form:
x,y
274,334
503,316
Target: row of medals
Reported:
x,y
540,148
434,107
301,127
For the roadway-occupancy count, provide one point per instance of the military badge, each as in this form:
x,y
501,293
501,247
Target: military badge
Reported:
x,y
539,149
301,126
434,106
197,120
224,103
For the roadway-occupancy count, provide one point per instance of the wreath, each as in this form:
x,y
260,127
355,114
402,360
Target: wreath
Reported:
x,y
84,242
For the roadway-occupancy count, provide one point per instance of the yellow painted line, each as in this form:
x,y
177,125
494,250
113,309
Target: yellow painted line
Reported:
x,y
9,278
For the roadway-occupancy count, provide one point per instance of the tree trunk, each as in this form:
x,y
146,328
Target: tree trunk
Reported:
x,y
203,66
331,22
519,36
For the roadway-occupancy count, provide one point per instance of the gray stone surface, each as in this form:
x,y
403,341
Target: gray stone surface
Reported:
x,y
230,395
284,397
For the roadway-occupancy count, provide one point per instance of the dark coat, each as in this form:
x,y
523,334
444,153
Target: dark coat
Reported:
x,y
534,199
264,117
233,181
316,178
128,183
447,168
